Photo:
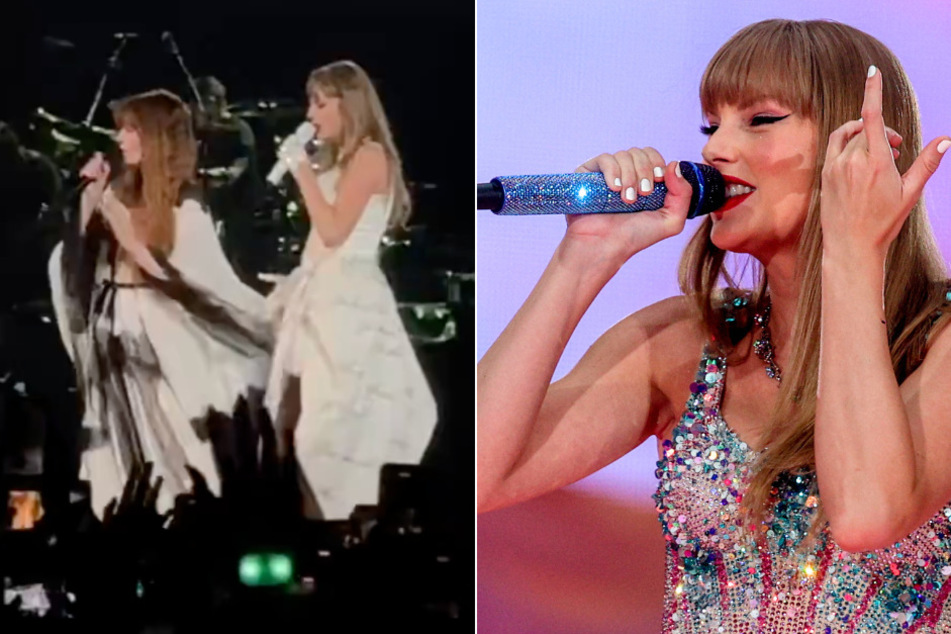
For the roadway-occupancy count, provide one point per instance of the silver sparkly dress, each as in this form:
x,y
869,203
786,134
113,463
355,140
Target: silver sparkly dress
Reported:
x,y
724,577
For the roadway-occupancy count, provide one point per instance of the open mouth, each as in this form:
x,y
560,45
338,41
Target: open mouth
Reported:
x,y
736,192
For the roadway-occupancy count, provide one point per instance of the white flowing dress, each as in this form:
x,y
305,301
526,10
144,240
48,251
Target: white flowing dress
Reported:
x,y
364,400
152,367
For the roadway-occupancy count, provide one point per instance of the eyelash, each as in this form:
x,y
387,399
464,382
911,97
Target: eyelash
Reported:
x,y
708,130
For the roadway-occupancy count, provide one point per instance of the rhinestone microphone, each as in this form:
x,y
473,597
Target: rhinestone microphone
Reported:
x,y
589,194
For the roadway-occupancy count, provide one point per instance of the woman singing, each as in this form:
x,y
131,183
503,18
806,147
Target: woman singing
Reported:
x,y
346,388
802,425
164,337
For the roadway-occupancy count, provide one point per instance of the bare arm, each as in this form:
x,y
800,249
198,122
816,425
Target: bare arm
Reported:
x,y
367,174
534,437
881,448
606,406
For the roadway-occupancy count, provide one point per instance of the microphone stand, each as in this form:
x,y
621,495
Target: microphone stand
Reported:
x,y
111,65
173,49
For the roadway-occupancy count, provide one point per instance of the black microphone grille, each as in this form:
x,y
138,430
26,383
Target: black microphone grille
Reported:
x,y
709,188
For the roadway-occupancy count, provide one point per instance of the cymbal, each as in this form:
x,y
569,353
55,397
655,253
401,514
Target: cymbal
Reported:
x,y
51,42
71,127
267,109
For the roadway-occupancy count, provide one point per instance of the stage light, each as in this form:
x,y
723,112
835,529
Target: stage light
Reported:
x,y
266,569
251,570
281,568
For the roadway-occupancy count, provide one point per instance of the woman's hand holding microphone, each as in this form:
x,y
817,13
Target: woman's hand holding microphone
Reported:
x,y
614,238
96,175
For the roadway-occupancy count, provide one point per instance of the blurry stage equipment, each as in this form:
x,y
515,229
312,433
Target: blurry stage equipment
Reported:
x,y
111,65
172,47
65,141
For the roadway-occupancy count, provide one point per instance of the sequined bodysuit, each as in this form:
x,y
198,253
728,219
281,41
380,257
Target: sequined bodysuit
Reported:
x,y
721,577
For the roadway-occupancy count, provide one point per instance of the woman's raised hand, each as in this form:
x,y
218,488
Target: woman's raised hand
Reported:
x,y
865,200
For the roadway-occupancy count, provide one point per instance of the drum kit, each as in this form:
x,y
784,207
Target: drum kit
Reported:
x,y
431,285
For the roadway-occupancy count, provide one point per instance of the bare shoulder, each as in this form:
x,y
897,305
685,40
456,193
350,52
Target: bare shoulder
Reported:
x,y
669,325
676,311
675,339
371,163
372,148
660,338
371,154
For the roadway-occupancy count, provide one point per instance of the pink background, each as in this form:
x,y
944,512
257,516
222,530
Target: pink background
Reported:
x,y
560,81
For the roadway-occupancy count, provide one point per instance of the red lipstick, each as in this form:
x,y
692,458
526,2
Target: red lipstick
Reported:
x,y
733,201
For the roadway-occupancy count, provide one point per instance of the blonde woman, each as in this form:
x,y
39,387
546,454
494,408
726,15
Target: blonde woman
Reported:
x,y
164,337
346,389
801,425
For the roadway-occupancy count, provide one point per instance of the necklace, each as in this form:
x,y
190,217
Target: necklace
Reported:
x,y
763,345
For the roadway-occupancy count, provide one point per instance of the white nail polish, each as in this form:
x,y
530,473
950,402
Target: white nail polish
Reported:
x,y
630,193
943,146
617,182
871,70
658,172
645,185
677,171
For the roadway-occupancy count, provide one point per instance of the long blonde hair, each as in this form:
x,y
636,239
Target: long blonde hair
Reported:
x,y
169,154
363,119
816,68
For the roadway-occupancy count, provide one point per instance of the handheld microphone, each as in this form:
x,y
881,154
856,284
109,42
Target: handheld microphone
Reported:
x,y
589,194
301,135
84,182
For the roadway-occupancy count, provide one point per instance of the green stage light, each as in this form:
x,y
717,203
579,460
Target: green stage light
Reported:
x,y
251,570
281,568
266,569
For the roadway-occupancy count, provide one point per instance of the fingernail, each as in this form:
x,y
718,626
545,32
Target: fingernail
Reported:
x,y
677,171
617,182
645,185
871,70
630,194
658,172
943,146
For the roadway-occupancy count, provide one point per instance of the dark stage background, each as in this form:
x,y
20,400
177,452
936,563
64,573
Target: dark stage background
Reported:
x,y
421,59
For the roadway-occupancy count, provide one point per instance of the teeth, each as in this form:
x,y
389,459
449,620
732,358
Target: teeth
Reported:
x,y
737,190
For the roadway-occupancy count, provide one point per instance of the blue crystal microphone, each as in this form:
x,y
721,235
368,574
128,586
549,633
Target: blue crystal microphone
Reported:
x,y
589,194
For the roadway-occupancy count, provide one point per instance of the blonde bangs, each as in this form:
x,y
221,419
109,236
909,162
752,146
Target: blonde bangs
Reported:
x,y
769,60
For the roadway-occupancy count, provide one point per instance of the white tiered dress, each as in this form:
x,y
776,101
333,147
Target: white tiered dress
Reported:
x,y
364,400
